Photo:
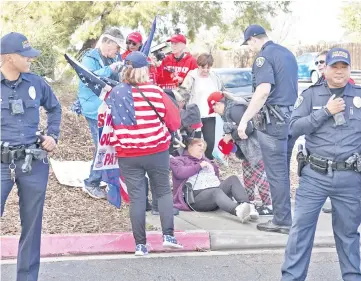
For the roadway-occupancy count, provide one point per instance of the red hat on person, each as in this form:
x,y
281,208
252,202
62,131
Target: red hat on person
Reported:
x,y
225,148
135,37
213,99
178,38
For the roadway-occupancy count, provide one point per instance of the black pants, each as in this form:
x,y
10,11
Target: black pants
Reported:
x,y
209,134
213,198
157,168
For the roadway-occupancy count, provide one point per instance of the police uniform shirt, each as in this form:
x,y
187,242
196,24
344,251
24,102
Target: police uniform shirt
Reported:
x,y
20,129
322,136
277,66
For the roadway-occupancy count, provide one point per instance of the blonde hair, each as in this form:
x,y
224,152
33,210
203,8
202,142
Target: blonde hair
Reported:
x,y
135,75
197,141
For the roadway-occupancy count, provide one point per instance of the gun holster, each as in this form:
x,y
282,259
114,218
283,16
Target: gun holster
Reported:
x,y
301,159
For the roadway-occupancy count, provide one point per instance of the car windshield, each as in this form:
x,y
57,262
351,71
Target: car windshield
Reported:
x,y
236,79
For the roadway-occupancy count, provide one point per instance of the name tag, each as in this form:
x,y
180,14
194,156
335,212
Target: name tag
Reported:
x,y
316,107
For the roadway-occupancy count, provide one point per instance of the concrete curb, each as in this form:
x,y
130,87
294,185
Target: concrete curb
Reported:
x,y
104,243
239,240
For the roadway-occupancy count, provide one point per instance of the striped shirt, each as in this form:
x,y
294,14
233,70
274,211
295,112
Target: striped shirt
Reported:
x,y
148,135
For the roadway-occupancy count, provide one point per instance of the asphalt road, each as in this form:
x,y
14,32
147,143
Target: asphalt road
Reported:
x,y
215,266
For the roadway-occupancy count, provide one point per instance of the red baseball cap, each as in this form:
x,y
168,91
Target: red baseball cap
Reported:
x,y
225,148
213,99
178,38
135,37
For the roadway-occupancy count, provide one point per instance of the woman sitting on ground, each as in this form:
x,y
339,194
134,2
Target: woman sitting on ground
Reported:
x,y
231,111
194,172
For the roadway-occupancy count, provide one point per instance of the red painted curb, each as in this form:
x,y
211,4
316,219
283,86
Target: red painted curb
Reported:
x,y
104,243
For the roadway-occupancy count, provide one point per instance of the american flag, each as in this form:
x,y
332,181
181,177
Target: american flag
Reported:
x,y
136,125
89,79
116,187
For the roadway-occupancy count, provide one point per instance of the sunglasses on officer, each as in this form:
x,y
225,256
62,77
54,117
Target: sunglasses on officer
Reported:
x,y
319,62
130,42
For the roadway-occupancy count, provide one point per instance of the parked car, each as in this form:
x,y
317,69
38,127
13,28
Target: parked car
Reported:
x,y
236,80
307,70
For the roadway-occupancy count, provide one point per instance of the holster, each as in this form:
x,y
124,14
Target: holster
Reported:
x,y
301,159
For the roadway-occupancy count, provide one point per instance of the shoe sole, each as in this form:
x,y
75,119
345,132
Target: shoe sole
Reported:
x,y
172,245
140,254
278,230
91,194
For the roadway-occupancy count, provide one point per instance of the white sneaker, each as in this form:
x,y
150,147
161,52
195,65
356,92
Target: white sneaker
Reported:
x,y
253,213
243,212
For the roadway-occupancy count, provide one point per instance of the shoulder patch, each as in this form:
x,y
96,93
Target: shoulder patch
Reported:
x,y
260,61
298,102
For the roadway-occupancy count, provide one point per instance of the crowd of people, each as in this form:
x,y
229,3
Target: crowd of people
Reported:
x,y
261,132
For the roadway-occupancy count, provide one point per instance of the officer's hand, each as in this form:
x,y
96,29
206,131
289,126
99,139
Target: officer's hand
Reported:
x,y
335,105
242,130
48,144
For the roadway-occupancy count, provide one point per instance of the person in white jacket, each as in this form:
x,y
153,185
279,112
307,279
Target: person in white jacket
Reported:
x,y
200,83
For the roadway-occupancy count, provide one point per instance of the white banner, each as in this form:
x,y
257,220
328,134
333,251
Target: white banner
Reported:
x,y
106,154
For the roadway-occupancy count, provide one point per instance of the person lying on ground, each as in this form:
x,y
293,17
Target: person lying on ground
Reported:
x,y
197,186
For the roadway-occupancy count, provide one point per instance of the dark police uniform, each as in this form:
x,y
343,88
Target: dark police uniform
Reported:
x,y
329,171
18,130
277,66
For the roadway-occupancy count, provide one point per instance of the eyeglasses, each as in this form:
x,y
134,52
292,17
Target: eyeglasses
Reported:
x,y
321,62
131,43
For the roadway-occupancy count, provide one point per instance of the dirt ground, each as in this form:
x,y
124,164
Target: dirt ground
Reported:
x,y
68,209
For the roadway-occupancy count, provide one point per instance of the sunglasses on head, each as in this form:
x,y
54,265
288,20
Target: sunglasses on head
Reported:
x,y
320,61
131,43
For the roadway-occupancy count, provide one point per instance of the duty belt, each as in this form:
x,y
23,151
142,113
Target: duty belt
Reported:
x,y
326,166
14,153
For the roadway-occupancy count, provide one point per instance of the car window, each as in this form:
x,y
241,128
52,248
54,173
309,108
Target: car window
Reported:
x,y
236,79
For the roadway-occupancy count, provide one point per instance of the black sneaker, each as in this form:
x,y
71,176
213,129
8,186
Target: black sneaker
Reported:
x,y
264,211
271,227
148,206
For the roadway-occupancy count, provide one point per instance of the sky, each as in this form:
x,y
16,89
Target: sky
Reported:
x,y
311,21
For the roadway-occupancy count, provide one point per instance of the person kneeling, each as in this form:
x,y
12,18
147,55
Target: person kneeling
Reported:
x,y
196,185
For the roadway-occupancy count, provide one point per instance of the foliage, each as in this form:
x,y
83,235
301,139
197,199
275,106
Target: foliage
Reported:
x,y
62,25
351,18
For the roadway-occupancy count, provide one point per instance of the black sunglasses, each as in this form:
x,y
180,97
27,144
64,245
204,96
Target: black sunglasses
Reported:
x,y
131,43
321,62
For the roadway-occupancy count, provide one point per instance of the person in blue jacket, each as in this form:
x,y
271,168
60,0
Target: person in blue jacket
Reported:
x,y
104,61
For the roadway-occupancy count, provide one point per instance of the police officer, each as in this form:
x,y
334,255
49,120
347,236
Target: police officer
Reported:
x,y
329,115
23,159
275,75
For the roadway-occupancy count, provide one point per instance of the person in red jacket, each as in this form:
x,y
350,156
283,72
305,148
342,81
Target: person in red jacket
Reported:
x,y
175,67
134,43
320,62
143,117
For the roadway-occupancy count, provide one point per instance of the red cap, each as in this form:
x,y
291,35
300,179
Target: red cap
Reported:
x,y
225,148
177,38
212,99
135,37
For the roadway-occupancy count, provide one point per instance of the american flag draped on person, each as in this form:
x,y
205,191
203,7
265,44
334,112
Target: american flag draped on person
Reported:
x,y
116,189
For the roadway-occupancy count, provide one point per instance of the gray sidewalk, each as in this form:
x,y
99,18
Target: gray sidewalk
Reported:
x,y
227,233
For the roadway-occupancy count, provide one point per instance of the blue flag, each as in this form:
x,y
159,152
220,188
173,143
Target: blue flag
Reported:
x,y
89,79
146,47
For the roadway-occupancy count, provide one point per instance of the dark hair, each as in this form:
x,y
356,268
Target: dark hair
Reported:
x,y
205,59
261,36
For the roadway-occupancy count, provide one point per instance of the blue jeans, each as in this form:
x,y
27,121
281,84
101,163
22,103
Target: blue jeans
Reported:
x,y
95,177
344,190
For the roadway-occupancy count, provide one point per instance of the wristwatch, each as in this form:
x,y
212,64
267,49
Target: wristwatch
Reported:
x,y
55,137
327,111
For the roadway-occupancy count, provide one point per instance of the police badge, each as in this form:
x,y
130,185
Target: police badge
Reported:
x,y
298,102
